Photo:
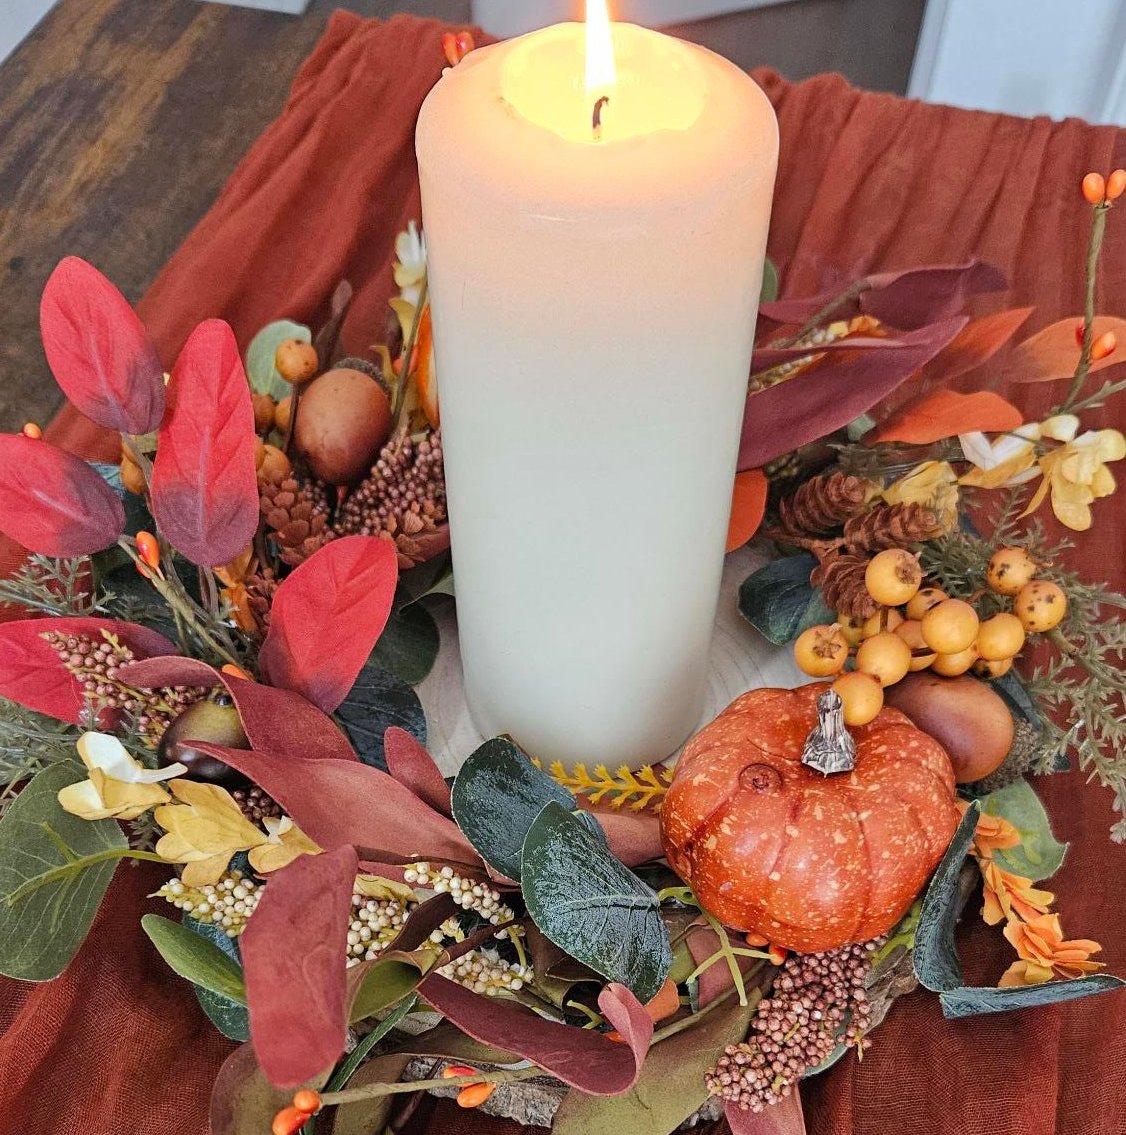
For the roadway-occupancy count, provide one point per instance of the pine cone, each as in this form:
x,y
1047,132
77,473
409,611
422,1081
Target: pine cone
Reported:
x,y
823,504
260,590
890,526
297,514
841,579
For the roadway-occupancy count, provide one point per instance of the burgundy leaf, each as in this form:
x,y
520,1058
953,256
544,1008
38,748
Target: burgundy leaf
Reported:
x,y
337,803
634,837
275,721
204,487
833,392
294,956
32,674
327,616
412,766
907,299
99,351
783,1118
586,1060
52,502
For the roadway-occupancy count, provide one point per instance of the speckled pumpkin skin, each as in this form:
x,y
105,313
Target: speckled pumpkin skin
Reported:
x,y
809,861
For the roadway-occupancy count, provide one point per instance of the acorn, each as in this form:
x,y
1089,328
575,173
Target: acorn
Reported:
x,y
215,721
343,421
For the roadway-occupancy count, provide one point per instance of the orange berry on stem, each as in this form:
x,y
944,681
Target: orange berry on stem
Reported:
x,y
1116,185
821,651
886,657
1080,332
307,1100
457,1071
1094,188
894,577
1000,638
1009,570
1041,606
289,1121
756,940
863,697
465,43
1104,346
992,670
237,672
885,619
955,665
296,361
926,599
951,627
32,431
148,549
449,48
475,1095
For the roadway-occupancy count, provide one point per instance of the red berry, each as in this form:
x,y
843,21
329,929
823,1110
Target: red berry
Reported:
x,y
449,47
465,44
148,549
1094,188
1080,332
456,1071
32,431
475,1095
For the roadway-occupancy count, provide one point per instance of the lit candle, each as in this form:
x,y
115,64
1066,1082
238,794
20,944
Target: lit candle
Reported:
x,y
596,203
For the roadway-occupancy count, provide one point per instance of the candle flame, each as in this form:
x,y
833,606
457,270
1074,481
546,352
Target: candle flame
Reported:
x,y
601,72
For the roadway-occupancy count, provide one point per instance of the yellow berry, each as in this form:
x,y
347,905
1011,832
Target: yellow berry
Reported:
x,y
1000,638
1040,606
821,651
852,628
992,670
926,599
283,414
954,665
885,620
1009,570
921,655
950,627
894,577
886,657
296,361
274,462
863,697
264,407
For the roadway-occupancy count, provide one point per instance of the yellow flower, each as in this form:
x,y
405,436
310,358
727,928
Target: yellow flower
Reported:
x,y
934,485
1045,955
1076,474
286,843
203,831
1009,897
119,787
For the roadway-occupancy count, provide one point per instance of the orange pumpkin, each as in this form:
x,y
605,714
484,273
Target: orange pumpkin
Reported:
x,y
809,861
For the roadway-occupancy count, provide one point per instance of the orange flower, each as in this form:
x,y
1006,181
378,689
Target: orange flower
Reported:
x,y
1008,896
1045,955
994,833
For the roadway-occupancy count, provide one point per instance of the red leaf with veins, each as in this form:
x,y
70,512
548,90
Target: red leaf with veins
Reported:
x,y
98,350
294,955
32,674
327,616
834,391
52,502
204,486
1054,353
412,766
586,1060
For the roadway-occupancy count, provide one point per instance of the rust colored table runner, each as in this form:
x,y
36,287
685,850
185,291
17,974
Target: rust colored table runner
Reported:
x,y
117,1045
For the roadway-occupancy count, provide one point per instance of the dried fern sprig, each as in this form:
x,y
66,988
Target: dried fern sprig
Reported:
x,y
53,587
644,789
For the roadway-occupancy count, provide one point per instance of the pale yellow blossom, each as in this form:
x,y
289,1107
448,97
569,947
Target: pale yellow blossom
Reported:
x,y
1076,474
119,787
934,485
286,842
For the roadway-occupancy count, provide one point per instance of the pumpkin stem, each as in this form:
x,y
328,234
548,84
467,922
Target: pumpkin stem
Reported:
x,y
830,748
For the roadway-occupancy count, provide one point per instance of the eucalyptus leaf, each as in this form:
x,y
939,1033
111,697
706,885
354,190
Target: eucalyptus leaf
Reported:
x,y
775,598
770,282
964,1002
591,905
386,984
435,577
1039,855
408,646
195,958
229,1017
260,369
377,701
935,959
41,931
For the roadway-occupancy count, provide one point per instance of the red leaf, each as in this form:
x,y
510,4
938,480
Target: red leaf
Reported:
x,y
975,344
294,954
945,413
910,298
1053,353
748,507
32,674
832,393
767,357
52,502
274,721
99,351
204,487
586,1060
414,768
327,616
347,803
783,1118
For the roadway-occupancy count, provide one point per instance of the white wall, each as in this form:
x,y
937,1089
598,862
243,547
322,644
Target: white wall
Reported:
x,y
17,18
1054,57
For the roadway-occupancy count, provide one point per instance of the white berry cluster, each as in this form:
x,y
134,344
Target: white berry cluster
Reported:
x,y
375,925
228,903
485,971
469,894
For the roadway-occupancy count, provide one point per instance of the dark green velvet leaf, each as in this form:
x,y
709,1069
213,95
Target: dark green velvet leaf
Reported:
x,y
377,701
408,646
775,598
964,1002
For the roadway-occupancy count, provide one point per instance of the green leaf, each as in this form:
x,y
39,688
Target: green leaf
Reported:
x,y
964,1002
408,647
195,958
671,1086
775,598
591,905
496,798
435,577
377,701
386,984
229,1017
260,369
1039,854
41,932
935,959
137,515
770,282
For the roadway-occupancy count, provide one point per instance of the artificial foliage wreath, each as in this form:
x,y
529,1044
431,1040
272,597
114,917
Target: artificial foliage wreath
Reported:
x,y
215,670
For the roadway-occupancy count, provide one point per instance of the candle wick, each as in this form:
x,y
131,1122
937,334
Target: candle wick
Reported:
x,y
599,106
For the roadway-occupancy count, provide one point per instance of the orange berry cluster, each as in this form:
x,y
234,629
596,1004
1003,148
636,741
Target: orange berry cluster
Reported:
x,y
473,1095
1099,190
922,628
290,1120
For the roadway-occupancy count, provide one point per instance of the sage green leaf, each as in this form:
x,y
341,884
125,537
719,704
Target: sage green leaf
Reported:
x,y
260,369
770,282
386,984
408,646
775,598
935,959
496,797
964,1002
1039,854
229,1017
194,958
41,931
671,1086
591,905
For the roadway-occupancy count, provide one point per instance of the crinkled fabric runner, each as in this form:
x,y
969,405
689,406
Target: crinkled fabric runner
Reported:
x,y
117,1046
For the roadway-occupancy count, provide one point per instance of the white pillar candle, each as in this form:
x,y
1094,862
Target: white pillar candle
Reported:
x,y
594,296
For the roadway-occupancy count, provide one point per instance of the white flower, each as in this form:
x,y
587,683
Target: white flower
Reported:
x,y
410,266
